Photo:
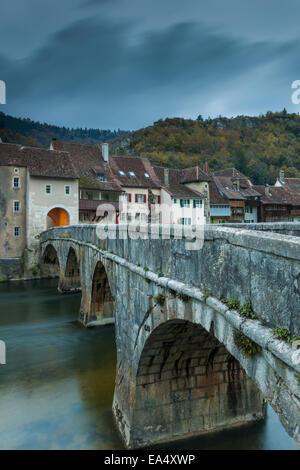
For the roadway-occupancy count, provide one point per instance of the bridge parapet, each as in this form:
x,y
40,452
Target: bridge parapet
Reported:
x,y
259,267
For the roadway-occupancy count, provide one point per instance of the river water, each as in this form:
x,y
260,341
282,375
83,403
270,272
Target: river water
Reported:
x,y
56,388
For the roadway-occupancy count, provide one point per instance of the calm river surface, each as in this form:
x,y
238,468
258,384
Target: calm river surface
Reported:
x,y
56,389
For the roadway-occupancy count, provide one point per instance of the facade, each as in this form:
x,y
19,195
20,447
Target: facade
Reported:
x,y
13,184
39,189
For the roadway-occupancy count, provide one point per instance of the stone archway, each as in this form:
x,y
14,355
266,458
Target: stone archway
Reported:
x,y
51,265
188,384
102,301
57,217
70,281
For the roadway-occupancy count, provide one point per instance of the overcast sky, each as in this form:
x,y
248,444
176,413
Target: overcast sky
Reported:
x,y
126,63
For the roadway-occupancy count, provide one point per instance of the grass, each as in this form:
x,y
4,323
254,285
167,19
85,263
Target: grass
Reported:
x,y
246,345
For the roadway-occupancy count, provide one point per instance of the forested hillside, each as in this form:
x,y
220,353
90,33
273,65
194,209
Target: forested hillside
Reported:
x,y
257,146
28,132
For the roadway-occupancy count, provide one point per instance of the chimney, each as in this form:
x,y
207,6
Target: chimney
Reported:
x,y
105,153
166,176
281,176
267,190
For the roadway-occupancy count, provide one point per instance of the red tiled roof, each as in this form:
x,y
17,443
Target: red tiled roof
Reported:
x,y
277,195
85,158
140,167
229,179
193,174
40,162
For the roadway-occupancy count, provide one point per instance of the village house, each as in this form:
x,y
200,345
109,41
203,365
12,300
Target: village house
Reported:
x,y
141,187
241,194
38,190
186,193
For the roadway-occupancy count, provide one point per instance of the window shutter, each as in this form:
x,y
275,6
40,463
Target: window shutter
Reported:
x,y
158,199
145,198
181,202
136,198
129,197
194,203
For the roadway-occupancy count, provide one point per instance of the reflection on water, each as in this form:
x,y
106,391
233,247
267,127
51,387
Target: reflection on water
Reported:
x,y
56,389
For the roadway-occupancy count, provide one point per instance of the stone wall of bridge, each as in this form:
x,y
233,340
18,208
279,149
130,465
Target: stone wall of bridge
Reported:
x,y
252,266
158,286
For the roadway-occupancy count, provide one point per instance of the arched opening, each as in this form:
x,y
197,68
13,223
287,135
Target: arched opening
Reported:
x,y
57,217
189,384
71,280
51,263
102,301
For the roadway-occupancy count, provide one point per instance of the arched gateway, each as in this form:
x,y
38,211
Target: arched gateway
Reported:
x,y
57,217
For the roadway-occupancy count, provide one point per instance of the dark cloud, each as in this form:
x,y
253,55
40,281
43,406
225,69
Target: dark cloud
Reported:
x,y
101,73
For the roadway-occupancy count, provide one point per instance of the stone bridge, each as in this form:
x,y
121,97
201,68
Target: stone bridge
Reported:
x,y
187,362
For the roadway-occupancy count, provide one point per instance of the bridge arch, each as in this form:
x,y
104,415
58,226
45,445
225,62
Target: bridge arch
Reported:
x,y
102,300
188,384
51,264
70,279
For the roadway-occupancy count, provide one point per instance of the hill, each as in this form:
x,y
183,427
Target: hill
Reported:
x,y
257,146
33,133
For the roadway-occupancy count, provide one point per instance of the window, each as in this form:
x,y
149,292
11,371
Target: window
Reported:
x,y
48,188
102,177
186,221
16,182
197,203
131,173
184,203
16,170
175,201
121,173
16,206
17,232
147,176
68,190
140,198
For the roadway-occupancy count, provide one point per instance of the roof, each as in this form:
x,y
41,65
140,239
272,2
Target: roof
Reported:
x,y
40,162
230,173
88,161
143,173
193,174
277,195
215,196
292,184
230,179
175,187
